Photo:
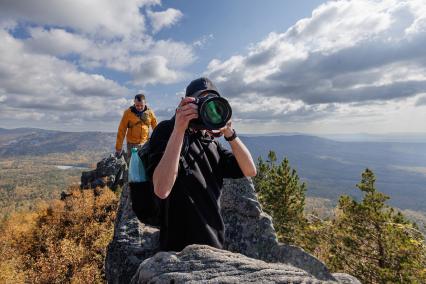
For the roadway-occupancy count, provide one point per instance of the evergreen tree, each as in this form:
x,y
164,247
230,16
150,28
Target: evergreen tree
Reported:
x,y
373,242
282,196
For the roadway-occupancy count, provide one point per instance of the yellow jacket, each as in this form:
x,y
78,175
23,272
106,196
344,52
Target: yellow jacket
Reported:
x,y
136,128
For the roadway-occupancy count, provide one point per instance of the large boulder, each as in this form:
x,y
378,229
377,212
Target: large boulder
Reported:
x,y
132,243
110,171
250,242
249,231
198,263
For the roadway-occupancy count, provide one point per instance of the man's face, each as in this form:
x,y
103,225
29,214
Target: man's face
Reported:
x,y
140,105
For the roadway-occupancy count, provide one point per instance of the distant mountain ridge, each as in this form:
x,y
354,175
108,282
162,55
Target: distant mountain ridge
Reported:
x,y
330,168
367,137
32,141
357,137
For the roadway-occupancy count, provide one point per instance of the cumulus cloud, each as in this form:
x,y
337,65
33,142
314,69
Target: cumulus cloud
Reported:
x,y
56,42
50,87
107,18
421,101
53,55
137,58
348,53
153,70
164,19
203,40
111,38
178,54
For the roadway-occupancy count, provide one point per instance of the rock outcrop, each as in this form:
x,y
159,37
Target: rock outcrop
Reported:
x,y
249,230
198,263
252,253
132,243
110,171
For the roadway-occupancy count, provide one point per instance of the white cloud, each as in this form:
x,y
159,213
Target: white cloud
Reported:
x,y
97,17
49,87
203,40
57,42
52,53
152,70
114,37
421,100
346,56
178,54
379,117
12,113
164,19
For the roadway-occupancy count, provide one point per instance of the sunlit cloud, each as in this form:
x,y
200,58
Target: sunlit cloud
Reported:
x,y
346,56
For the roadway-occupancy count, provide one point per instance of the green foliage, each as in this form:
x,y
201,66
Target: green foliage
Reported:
x,y
282,196
371,241
367,239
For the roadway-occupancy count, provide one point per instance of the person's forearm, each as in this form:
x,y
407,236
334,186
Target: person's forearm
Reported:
x,y
121,133
119,141
167,169
243,156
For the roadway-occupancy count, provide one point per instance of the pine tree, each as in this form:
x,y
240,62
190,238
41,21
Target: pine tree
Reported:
x,y
282,196
373,242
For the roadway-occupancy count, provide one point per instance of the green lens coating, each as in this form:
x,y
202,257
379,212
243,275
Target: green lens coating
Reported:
x,y
213,111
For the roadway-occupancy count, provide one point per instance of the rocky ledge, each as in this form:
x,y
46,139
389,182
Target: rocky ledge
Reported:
x,y
198,263
252,253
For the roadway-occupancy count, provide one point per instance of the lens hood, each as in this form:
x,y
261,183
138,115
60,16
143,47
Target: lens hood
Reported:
x,y
213,112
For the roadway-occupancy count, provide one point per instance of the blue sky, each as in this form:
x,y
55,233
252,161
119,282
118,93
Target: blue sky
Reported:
x,y
286,66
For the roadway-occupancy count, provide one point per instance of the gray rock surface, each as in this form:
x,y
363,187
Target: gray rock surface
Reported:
x,y
198,263
110,171
249,231
250,239
132,243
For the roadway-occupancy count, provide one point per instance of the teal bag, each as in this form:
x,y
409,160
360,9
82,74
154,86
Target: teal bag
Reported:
x,y
136,168
145,204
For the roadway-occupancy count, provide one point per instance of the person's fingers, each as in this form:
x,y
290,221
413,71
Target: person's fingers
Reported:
x,y
189,105
192,116
187,109
186,101
186,106
185,116
187,112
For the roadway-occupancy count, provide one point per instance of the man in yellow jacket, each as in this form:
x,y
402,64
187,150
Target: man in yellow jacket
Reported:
x,y
135,121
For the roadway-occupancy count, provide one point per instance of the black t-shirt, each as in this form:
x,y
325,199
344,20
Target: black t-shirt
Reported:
x,y
191,213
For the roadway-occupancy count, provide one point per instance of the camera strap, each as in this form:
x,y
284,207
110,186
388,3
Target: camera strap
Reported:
x,y
185,148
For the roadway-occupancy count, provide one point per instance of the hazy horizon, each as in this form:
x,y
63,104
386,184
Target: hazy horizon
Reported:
x,y
343,137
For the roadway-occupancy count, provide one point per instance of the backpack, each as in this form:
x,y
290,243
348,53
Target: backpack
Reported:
x,y
145,203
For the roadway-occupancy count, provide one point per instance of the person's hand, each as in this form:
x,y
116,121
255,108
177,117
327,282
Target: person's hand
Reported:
x,y
118,153
227,130
185,112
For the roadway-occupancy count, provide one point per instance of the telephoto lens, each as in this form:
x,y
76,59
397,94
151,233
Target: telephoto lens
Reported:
x,y
213,112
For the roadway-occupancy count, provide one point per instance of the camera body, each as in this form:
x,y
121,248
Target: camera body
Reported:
x,y
214,112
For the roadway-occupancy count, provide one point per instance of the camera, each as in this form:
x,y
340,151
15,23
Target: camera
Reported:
x,y
213,112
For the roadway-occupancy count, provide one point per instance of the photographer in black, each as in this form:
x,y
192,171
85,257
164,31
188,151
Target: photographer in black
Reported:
x,y
188,165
